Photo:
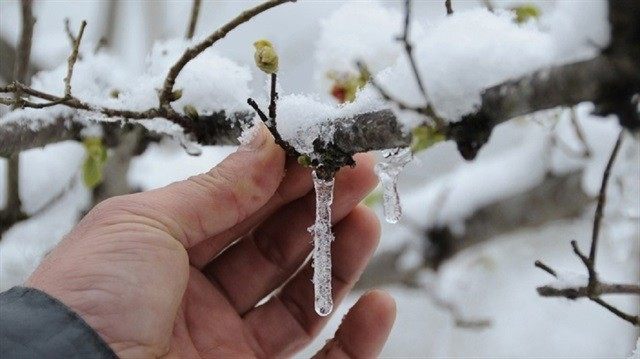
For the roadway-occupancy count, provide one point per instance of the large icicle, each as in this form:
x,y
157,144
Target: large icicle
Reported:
x,y
388,171
322,238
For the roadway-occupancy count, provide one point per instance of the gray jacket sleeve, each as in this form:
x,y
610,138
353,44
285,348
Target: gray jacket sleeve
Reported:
x,y
36,325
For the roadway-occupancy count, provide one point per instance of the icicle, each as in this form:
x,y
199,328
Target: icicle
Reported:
x,y
322,238
388,171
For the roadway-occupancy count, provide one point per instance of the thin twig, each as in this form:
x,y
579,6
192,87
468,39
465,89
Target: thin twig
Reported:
x,y
76,103
67,30
73,57
426,110
271,125
190,53
261,114
385,94
633,319
23,53
602,198
193,21
408,47
447,4
273,98
12,212
594,288
580,133
602,288
546,268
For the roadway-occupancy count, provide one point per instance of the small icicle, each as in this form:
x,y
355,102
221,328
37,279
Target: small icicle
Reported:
x,y
388,171
322,238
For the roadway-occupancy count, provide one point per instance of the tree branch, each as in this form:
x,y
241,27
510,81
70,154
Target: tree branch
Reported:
x,y
193,21
73,57
447,5
12,212
594,287
564,85
602,199
581,292
21,65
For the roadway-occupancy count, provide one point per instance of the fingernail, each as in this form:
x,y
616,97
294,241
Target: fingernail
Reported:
x,y
257,138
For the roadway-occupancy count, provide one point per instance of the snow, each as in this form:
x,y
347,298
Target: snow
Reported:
x,y
458,56
303,118
569,279
25,244
495,50
636,351
579,30
358,30
388,170
165,162
249,131
497,281
209,82
322,238
473,185
214,83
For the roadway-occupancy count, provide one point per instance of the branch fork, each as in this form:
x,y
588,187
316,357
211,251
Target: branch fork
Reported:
x,y
594,288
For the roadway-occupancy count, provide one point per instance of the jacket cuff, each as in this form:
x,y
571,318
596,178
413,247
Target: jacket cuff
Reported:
x,y
33,324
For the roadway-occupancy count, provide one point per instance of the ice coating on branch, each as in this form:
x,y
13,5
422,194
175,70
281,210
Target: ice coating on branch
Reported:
x,y
388,170
322,237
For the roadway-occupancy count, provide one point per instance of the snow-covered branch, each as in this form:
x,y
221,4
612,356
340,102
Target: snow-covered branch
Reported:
x,y
607,80
564,85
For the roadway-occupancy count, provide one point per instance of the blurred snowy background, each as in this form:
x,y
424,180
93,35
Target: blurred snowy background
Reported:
x,y
531,190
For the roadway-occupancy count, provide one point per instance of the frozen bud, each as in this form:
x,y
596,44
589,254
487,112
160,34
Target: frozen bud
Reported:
x,y
176,95
266,56
191,112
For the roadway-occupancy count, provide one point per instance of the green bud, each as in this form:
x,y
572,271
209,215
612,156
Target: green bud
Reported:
x,y
425,137
265,56
176,95
95,160
191,112
525,12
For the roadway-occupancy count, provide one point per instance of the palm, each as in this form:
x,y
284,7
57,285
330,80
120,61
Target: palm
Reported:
x,y
208,326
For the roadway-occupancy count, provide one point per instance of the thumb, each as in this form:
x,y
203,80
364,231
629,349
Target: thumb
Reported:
x,y
207,204
364,330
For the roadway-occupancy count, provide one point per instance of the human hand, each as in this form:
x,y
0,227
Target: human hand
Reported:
x,y
161,273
